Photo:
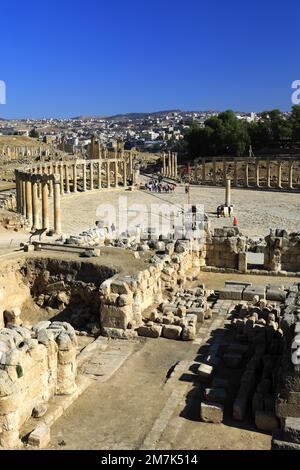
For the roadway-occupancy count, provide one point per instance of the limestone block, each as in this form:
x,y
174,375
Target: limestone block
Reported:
x,y
251,291
291,429
40,437
171,331
153,331
205,371
115,317
211,412
188,333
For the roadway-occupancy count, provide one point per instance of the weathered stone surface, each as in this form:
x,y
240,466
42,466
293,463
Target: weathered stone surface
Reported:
x,y
211,412
171,331
291,429
205,371
153,331
40,437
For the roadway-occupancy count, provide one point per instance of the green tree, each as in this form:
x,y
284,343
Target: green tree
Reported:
x,y
34,133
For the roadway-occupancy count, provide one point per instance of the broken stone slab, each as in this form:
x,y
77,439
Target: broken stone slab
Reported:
x,y
205,371
199,312
231,292
216,395
211,412
266,420
279,441
276,293
40,436
118,333
251,291
188,333
291,429
171,331
153,331
39,410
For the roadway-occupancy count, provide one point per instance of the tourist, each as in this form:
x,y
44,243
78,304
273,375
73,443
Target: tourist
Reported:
x,y
235,221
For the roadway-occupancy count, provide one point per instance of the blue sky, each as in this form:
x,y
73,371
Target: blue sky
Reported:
x,y
85,57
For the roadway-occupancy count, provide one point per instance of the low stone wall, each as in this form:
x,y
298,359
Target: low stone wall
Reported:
x,y
35,365
225,248
124,298
282,252
288,399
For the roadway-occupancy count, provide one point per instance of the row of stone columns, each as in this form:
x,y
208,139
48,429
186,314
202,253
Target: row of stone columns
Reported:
x,y
69,179
236,181
32,195
53,180
169,165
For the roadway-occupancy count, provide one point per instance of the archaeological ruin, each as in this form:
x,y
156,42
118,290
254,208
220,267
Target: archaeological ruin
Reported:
x,y
74,307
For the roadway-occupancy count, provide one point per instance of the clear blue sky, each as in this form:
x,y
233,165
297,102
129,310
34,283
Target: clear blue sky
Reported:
x,y
83,57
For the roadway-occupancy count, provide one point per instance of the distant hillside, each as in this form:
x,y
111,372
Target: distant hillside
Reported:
x,y
133,116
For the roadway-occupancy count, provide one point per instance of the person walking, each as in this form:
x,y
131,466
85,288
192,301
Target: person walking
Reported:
x,y
235,221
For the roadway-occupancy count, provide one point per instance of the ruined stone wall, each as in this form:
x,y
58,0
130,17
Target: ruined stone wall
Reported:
x,y
224,246
35,365
282,252
288,393
124,298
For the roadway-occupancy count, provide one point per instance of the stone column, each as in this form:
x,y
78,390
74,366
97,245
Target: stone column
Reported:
x,y
91,176
279,173
224,172
131,164
116,173
45,208
49,171
108,173
236,183
35,204
18,194
214,168
247,174
291,175
125,173
268,173
203,171
99,174
228,192
57,209
164,164
84,176
61,177
23,195
74,178
175,165
67,178
257,174
28,200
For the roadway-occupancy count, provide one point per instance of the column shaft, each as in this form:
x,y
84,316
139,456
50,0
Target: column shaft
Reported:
x,y
35,205
57,209
45,207
28,200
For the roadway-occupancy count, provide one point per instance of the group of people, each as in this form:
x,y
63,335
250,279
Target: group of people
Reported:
x,y
221,212
160,187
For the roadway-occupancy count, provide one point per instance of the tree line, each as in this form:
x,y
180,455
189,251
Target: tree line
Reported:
x,y
225,134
